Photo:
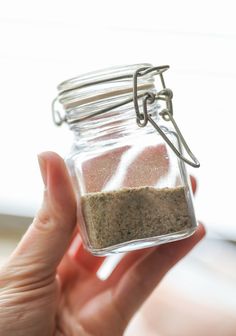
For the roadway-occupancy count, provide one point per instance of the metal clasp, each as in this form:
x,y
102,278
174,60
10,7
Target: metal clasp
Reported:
x,y
56,116
167,113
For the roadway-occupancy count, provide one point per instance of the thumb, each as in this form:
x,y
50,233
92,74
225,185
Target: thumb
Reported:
x,y
46,241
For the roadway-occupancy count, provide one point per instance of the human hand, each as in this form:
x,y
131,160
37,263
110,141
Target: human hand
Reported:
x,y
46,290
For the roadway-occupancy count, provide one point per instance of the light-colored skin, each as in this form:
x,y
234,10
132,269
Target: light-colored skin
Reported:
x,y
45,290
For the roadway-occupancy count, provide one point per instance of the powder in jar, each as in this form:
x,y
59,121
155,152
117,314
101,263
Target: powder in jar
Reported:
x,y
127,214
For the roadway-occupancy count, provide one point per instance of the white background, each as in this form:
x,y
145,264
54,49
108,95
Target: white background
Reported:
x,y
45,42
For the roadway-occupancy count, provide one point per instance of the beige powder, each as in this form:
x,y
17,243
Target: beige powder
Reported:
x,y
134,213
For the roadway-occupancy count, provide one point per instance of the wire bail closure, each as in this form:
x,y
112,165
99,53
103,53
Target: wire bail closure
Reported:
x,y
143,118
167,113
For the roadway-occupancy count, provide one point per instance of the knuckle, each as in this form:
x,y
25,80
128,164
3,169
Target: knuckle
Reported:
x,y
44,222
53,222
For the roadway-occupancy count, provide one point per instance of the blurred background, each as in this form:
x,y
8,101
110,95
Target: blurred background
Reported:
x,y
43,43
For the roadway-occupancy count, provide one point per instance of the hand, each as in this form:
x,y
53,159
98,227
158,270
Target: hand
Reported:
x,y
45,289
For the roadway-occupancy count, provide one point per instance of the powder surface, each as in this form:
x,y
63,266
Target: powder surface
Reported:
x,y
134,213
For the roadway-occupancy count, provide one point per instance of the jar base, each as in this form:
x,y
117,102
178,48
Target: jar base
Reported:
x,y
142,243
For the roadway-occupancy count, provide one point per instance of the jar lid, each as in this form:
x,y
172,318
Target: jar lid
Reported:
x,y
100,76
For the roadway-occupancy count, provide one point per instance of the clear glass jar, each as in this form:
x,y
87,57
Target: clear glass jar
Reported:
x,y
132,189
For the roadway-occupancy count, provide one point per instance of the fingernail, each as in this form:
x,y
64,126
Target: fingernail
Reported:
x,y
43,168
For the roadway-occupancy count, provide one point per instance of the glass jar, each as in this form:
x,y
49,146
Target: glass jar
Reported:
x,y
127,166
